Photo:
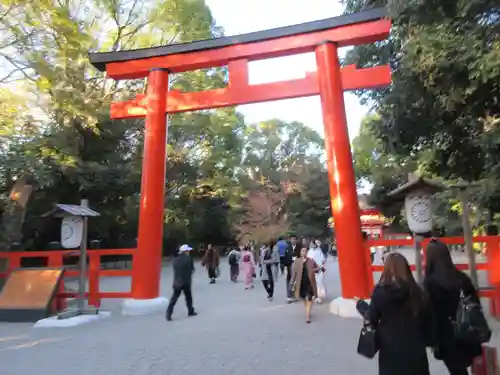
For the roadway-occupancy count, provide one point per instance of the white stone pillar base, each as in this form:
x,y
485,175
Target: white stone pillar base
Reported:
x,y
53,322
345,308
136,307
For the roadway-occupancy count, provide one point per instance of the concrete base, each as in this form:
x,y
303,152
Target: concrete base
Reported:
x,y
53,322
135,307
346,308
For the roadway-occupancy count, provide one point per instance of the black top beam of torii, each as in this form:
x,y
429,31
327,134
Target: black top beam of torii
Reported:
x,y
100,59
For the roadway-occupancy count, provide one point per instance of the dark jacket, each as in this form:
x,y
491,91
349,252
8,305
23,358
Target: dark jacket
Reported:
x,y
183,270
402,335
290,253
211,259
444,301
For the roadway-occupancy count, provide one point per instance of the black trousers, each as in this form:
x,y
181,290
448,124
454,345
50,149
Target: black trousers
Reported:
x,y
234,271
211,273
269,284
186,289
456,369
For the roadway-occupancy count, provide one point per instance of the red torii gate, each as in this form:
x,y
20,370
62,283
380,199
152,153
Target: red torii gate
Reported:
x,y
323,37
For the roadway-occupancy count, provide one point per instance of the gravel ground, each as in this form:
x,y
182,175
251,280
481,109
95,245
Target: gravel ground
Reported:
x,y
236,332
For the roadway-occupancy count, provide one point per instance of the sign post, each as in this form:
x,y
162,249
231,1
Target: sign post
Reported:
x,y
73,235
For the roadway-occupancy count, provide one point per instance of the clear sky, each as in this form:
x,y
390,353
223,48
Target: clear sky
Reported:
x,y
243,16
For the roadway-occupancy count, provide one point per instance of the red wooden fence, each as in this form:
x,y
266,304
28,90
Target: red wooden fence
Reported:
x,y
491,266
55,258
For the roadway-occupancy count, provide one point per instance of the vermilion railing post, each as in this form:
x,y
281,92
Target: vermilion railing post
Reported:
x,y
55,259
14,262
94,268
493,258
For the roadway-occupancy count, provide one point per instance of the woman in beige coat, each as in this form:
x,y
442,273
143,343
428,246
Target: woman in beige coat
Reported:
x,y
303,281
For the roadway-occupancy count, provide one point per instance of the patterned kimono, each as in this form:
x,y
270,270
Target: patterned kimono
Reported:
x,y
247,263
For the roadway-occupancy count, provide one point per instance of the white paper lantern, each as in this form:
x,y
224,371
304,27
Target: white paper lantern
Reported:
x,y
71,232
418,207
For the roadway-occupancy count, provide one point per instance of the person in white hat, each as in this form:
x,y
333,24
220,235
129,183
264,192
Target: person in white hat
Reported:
x,y
183,274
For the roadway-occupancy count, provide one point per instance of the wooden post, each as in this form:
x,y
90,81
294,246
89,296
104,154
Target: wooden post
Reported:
x,y
462,193
82,280
418,257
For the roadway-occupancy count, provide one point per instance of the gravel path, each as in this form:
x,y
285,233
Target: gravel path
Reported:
x,y
236,332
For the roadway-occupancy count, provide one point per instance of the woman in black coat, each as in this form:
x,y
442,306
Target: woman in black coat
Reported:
x,y
402,318
443,283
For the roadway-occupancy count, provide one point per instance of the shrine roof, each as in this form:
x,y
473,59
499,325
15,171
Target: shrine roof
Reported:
x,y
100,59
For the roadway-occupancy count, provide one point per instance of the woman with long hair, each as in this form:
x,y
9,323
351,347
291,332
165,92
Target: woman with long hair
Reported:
x,y
268,260
303,282
402,319
444,283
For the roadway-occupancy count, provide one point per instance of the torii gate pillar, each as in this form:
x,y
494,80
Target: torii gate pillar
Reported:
x,y
146,272
352,254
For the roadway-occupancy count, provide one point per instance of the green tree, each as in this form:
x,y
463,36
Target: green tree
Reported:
x,y
442,108
76,151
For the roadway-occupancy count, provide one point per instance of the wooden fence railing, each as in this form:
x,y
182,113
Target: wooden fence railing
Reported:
x,y
55,258
491,266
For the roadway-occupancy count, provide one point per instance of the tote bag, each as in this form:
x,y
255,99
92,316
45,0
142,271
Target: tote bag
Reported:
x,y
367,343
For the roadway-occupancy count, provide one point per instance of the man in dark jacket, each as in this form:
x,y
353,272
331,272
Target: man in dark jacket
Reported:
x,y
183,273
292,253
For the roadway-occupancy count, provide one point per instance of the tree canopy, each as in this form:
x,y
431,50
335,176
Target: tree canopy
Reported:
x,y
441,115
55,128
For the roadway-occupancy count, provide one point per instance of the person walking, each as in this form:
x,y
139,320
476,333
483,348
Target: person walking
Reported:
x,y
444,284
303,282
268,260
292,253
324,248
183,272
402,318
248,266
316,254
211,261
276,266
234,264
282,246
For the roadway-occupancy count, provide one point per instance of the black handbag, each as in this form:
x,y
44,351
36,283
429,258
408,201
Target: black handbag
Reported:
x,y
367,343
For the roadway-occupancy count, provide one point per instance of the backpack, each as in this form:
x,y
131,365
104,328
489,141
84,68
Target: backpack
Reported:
x,y
233,260
470,325
246,258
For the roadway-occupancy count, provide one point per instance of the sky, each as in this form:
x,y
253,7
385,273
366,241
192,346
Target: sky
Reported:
x,y
244,16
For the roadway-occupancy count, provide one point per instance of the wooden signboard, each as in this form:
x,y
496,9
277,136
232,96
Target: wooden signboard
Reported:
x,y
28,293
